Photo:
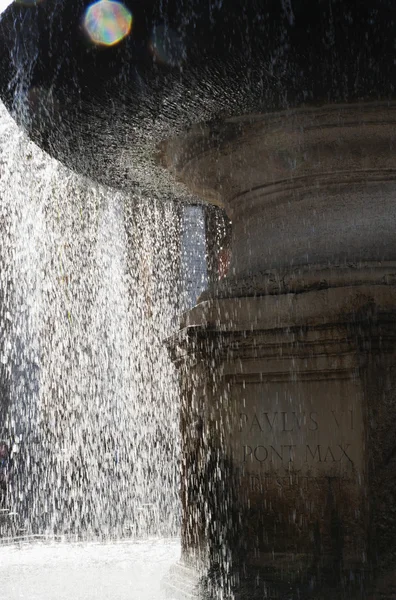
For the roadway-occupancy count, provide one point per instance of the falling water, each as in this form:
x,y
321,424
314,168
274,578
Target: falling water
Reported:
x,y
89,394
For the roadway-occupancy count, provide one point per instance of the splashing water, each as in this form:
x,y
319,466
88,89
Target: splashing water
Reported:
x,y
28,2
4,4
89,395
167,46
90,571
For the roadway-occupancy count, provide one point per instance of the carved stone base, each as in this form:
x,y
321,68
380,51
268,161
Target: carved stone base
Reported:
x,y
289,454
288,366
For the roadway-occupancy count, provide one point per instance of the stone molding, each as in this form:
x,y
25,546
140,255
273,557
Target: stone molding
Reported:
x,y
355,137
303,279
307,190
293,310
311,336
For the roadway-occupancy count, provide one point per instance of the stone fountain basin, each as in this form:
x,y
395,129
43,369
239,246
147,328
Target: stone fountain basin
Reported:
x,y
310,192
105,112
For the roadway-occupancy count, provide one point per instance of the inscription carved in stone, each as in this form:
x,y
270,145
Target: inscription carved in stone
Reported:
x,y
297,431
288,422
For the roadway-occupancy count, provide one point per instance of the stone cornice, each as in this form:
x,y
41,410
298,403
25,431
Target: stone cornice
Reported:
x,y
318,335
313,308
300,147
302,187
303,279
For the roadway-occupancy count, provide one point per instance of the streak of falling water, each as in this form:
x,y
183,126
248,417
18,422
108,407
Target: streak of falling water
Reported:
x,y
89,291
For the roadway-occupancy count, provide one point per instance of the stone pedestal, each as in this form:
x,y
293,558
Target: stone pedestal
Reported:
x,y
288,367
289,428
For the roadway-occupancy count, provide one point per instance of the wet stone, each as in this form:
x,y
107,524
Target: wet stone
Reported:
x,y
281,451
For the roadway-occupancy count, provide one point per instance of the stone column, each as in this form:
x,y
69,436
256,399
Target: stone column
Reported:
x,y
288,367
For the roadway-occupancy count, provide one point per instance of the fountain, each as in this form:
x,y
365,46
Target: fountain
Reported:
x,y
91,423
282,113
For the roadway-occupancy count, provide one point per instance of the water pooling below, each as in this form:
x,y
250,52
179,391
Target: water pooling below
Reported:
x,y
89,571
89,395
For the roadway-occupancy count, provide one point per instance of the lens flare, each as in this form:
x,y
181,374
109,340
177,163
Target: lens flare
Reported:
x,y
107,22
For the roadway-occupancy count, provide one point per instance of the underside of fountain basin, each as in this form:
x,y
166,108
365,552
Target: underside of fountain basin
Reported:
x,y
104,109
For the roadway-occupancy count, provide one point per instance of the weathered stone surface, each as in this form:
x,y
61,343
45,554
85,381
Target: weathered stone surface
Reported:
x,y
289,402
289,428
299,187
